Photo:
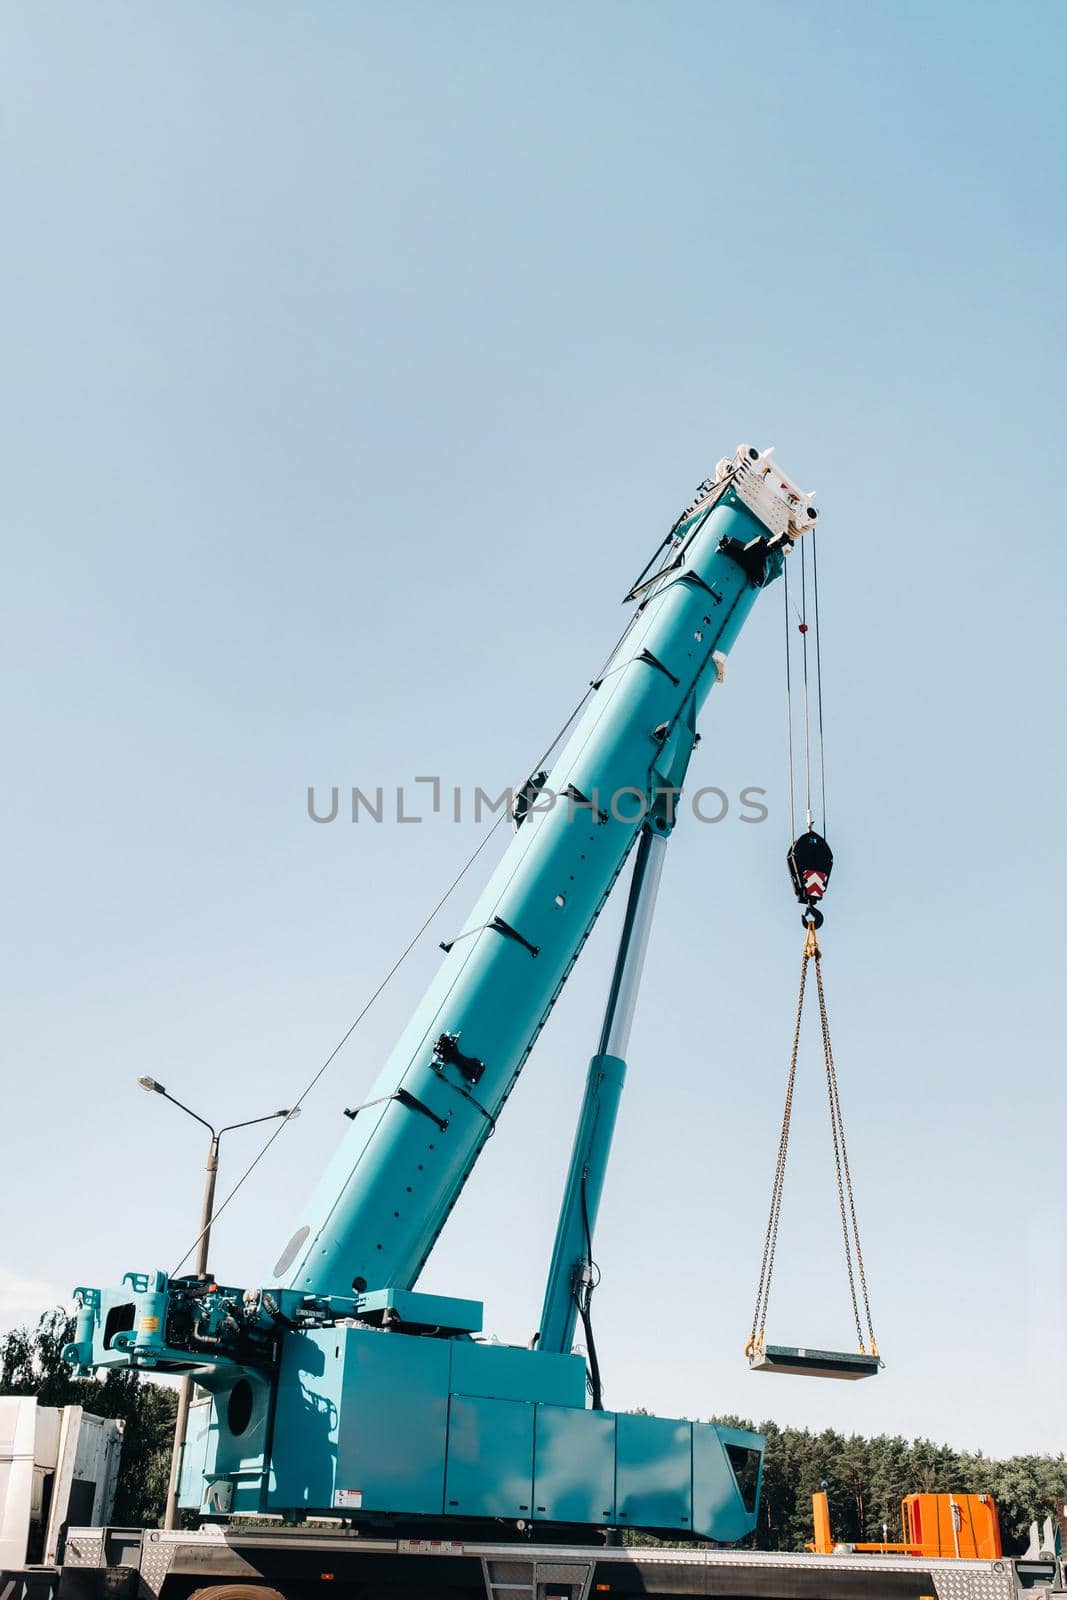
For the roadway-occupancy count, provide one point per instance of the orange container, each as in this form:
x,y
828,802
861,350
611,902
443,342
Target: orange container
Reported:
x,y
964,1525
961,1527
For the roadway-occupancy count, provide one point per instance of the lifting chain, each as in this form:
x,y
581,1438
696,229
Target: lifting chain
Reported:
x,y
770,1242
845,1197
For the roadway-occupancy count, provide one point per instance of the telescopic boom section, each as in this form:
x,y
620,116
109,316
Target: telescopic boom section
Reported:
x,y
384,1199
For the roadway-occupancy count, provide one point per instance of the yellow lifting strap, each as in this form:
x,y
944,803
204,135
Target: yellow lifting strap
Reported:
x,y
846,1202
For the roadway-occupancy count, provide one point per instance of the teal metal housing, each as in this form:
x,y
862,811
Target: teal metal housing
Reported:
x,y
396,1428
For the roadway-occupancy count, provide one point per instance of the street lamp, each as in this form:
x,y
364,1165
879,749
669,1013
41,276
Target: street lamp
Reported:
x,y
185,1392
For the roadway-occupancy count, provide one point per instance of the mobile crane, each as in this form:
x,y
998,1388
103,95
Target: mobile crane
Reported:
x,y
355,1427
435,1428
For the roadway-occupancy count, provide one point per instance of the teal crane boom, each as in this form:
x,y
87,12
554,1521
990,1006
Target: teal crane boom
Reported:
x,y
349,1271
383,1200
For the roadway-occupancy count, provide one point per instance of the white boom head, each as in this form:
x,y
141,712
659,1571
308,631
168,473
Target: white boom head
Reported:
x,y
763,487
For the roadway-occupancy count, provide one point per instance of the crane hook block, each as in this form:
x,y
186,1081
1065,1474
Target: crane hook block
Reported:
x,y
810,861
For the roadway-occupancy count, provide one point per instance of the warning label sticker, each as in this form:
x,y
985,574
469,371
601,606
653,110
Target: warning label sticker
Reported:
x,y
352,1498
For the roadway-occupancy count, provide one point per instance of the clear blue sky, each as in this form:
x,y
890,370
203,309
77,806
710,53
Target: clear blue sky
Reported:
x,y
355,358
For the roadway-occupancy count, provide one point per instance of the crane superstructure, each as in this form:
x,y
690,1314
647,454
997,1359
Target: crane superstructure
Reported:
x,y
341,1387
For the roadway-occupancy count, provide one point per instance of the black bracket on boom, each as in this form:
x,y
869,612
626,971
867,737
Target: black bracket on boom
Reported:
x,y
653,661
403,1097
497,925
753,558
695,581
525,797
447,1051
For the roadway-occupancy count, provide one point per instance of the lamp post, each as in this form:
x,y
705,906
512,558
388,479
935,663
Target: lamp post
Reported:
x,y
185,1392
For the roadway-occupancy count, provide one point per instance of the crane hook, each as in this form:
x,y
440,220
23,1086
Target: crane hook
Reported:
x,y
810,861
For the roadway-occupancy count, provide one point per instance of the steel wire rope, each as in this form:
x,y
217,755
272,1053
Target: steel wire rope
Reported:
x,y
804,661
789,706
818,675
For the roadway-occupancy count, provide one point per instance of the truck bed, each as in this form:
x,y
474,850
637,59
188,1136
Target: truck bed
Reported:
x,y
302,1562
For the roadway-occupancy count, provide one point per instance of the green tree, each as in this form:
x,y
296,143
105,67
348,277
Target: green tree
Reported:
x,y
888,1482
30,1363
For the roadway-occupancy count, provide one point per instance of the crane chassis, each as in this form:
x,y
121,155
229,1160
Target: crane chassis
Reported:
x,y
264,1563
